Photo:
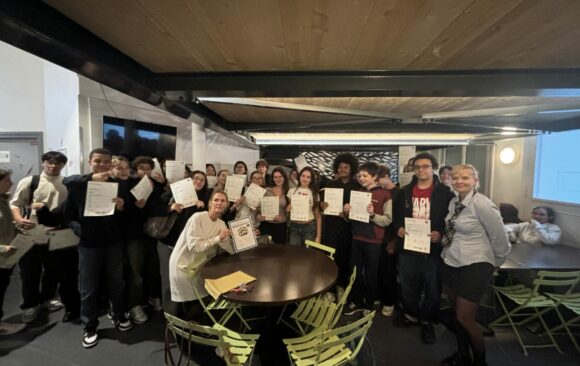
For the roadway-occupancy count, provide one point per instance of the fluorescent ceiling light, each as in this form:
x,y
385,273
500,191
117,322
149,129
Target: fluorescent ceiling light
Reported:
x,y
509,128
560,111
362,138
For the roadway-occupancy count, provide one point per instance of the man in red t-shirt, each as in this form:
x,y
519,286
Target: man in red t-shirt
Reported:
x,y
427,199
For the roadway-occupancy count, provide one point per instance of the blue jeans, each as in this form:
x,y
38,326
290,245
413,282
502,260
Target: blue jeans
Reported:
x,y
301,232
93,264
420,272
366,257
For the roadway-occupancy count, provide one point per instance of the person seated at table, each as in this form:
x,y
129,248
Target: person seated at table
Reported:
x,y
310,229
474,244
539,230
204,234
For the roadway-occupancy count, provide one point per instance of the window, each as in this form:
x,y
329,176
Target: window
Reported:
x,y
557,173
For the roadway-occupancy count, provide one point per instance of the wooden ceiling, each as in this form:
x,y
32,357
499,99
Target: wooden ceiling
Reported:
x,y
384,61
260,35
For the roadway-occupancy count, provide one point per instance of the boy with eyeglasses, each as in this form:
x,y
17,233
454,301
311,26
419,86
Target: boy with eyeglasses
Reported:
x,y
424,198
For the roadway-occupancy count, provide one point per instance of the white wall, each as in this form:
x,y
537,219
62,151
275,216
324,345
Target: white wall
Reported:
x,y
224,152
38,96
514,184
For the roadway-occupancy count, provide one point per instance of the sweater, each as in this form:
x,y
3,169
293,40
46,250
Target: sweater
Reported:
x,y
534,233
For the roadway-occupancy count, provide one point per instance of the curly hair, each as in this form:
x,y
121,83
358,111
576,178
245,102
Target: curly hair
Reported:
x,y
345,158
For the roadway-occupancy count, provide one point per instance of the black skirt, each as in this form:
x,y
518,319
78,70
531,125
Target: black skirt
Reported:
x,y
468,282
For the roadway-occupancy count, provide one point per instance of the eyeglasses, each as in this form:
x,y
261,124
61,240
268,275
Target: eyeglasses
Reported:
x,y
199,179
423,167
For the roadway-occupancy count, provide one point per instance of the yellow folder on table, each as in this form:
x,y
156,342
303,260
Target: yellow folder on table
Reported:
x,y
227,283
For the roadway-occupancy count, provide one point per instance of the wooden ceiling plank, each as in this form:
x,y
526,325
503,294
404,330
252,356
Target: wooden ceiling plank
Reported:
x,y
474,20
498,42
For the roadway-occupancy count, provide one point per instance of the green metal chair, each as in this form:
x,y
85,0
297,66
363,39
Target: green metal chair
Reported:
x,y
229,308
532,304
325,248
236,349
318,312
331,347
572,302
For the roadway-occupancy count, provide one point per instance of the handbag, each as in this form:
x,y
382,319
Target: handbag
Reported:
x,y
158,227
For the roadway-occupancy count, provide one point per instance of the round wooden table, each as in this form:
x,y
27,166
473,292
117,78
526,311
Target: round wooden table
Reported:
x,y
284,273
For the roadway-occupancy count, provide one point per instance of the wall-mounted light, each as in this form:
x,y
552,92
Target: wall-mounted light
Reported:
x,y
508,155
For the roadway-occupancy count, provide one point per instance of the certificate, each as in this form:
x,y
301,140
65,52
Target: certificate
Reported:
x,y
211,181
156,168
174,170
62,239
300,162
143,189
234,186
184,192
242,232
300,208
253,195
22,243
270,207
241,176
99,200
359,202
418,236
334,198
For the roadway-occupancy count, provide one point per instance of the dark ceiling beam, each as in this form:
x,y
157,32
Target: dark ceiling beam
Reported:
x,y
440,83
42,31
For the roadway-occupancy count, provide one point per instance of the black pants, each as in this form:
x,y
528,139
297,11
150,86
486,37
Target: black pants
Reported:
x,y
278,231
4,282
65,264
39,280
337,234
143,271
366,257
388,278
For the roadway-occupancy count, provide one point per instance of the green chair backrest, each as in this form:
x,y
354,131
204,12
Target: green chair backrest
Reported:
x,y
342,301
193,272
563,281
325,248
353,333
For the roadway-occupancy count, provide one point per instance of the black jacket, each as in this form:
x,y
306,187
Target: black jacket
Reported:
x,y
403,207
134,217
93,231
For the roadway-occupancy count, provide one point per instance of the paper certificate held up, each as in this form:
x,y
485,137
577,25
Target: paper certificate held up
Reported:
x,y
100,198
242,232
184,192
334,198
270,207
253,195
418,236
300,208
143,189
174,170
359,202
234,186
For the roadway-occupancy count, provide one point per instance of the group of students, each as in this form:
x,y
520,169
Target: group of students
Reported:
x,y
468,240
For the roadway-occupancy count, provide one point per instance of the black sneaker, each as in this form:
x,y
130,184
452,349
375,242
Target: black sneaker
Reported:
x,y
90,338
400,320
456,360
427,333
123,324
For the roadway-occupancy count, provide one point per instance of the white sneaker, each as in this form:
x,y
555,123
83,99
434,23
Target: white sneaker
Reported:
x,y
29,315
9,328
155,302
138,315
53,305
387,310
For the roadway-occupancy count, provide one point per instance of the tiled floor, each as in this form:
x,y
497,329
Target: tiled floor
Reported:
x,y
51,343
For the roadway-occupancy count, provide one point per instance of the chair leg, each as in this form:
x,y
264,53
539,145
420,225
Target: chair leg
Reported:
x,y
547,329
281,315
568,331
514,327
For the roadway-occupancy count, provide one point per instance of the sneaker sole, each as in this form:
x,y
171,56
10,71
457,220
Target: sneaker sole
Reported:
x,y
90,345
349,313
